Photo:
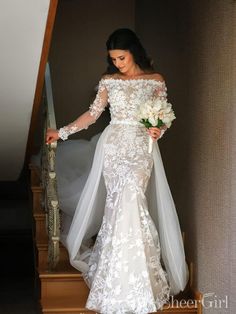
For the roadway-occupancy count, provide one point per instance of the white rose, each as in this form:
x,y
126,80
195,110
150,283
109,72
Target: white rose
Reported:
x,y
153,121
157,105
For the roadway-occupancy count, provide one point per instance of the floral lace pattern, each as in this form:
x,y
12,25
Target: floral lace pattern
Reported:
x,y
100,102
89,117
126,273
124,97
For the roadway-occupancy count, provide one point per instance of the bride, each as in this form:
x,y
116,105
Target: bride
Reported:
x,y
124,234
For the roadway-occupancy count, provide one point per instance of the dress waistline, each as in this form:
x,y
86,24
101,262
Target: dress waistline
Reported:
x,y
128,122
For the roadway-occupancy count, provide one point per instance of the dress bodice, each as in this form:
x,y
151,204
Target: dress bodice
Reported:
x,y
125,96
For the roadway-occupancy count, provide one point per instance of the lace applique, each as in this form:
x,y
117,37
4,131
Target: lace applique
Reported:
x,y
100,102
124,97
161,92
68,130
125,272
89,117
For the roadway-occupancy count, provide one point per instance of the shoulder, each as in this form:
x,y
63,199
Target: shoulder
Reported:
x,y
107,80
108,76
105,76
157,77
103,80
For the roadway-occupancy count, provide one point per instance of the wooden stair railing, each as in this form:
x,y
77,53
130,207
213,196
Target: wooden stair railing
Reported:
x,y
63,290
49,199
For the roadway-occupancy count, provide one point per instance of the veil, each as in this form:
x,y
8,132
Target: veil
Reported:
x,y
89,193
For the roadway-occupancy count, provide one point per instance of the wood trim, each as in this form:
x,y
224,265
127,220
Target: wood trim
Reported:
x,y
40,78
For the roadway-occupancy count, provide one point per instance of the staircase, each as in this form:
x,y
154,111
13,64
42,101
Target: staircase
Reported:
x,y
64,290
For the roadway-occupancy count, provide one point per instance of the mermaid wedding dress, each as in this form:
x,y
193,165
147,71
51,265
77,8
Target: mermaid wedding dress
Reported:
x,y
124,234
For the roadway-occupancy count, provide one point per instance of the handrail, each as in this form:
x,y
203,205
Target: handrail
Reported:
x,y
30,149
49,179
50,104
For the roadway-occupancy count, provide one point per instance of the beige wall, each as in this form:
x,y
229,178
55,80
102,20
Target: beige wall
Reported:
x,y
161,26
192,44
211,82
232,172
78,54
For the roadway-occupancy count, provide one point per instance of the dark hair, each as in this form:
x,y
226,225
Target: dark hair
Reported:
x,y
126,39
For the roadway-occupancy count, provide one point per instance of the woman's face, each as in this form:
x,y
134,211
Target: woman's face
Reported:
x,y
123,60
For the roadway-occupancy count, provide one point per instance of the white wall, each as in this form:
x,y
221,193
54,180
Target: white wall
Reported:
x,y
22,26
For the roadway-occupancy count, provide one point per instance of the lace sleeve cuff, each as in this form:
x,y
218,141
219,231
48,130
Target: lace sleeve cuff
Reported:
x,y
63,134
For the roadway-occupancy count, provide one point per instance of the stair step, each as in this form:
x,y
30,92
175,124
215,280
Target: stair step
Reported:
x,y
64,283
64,305
65,291
74,304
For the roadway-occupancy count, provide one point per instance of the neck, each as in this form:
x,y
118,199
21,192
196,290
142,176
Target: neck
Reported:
x,y
134,71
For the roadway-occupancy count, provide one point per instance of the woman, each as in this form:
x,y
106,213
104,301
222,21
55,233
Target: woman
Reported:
x,y
128,269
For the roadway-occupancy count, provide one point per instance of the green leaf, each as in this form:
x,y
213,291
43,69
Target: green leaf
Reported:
x,y
148,125
160,123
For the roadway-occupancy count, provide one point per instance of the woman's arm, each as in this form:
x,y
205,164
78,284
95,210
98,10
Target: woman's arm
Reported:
x,y
161,93
83,121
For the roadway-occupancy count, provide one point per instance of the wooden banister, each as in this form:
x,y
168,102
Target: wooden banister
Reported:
x,y
40,78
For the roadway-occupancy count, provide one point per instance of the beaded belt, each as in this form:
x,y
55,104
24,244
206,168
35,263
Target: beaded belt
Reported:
x,y
128,122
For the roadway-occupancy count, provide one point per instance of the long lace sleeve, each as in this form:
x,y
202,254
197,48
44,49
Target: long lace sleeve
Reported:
x,y
90,116
161,93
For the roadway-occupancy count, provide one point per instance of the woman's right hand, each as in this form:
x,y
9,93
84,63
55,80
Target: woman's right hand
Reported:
x,y
51,136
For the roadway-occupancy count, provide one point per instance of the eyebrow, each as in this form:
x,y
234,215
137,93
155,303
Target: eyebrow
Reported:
x,y
117,57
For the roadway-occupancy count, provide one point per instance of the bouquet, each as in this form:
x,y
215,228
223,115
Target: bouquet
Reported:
x,y
156,113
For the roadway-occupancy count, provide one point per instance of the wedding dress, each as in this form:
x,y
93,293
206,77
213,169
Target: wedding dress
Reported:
x,y
124,234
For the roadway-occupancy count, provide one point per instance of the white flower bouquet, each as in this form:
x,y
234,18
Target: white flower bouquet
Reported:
x,y
156,113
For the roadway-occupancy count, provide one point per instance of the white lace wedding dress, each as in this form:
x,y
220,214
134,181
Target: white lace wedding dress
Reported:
x,y
137,260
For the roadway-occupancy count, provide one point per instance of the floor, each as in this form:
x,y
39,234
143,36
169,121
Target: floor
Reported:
x,y
18,294
18,291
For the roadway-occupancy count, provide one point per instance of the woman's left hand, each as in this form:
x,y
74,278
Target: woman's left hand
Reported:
x,y
154,132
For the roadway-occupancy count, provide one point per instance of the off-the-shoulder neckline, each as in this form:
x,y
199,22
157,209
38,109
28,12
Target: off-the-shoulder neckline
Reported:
x,y
133,79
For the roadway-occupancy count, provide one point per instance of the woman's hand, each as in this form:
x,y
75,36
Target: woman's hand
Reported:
x,y
51,136
154,132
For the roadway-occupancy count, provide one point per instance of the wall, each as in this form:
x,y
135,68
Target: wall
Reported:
x,y
211,85
78,54
22,27
162,28
193,44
